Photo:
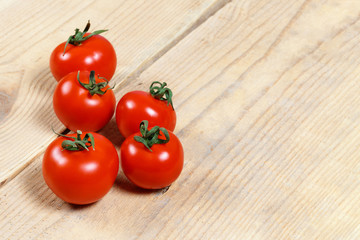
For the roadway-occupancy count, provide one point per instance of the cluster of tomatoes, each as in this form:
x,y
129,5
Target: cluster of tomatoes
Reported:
x,y
81,167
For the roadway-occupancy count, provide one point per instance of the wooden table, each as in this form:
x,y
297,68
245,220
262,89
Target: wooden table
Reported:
x,y
267,95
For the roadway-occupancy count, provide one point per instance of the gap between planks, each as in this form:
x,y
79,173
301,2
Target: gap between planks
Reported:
x,y
149,62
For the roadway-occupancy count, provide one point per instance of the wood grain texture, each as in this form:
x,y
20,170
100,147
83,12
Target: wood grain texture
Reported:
x,y
140,31
267,97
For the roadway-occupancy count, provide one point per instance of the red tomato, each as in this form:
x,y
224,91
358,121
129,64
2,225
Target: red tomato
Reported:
x,y
77,109
80,177
152,169
136,106
95,53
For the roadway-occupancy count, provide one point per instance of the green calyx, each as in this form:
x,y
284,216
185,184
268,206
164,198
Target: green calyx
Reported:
x,y
92,86
149,138
79,36
77,144
159,91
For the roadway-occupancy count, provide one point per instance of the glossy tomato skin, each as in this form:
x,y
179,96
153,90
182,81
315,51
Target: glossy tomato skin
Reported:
x,y
152,170
94,54
137,106
80,177
77,109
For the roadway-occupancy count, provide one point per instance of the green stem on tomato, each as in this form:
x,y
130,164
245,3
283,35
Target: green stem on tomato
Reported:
x,y
149,138
77,144
78,37
92,86
161,92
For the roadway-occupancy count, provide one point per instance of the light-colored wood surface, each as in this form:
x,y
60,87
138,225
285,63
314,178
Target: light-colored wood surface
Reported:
x,y
267,97
141,32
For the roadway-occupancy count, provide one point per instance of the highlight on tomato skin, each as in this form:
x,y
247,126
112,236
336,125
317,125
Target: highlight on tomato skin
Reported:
x,y
79,108
152,165
80,176
84,51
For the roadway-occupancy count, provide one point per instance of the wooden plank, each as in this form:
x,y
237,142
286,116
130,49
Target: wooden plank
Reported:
x,y
140,31
268,107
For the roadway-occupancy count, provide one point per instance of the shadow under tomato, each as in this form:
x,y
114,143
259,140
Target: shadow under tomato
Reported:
x,y
125,185
111,132
78,207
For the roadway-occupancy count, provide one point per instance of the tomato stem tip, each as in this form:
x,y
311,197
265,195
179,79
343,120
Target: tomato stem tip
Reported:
x,y
161,92
77,144
151,137
79,36
92,86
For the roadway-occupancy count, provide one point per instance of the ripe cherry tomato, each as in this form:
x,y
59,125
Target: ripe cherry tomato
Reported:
x,y
84,54
79,175
136,106
79,108
152,165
